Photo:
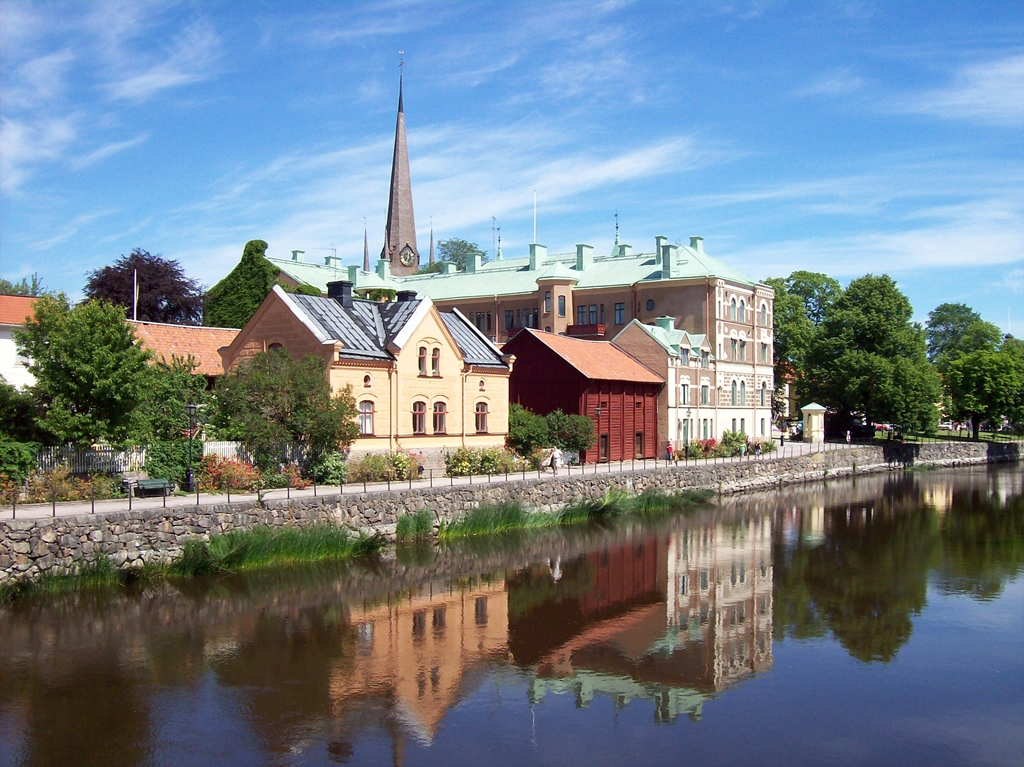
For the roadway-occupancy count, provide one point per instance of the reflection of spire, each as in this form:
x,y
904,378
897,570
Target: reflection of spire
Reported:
x,y
366,249
401,225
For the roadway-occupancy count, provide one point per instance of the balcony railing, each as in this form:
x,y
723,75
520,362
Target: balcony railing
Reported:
x,y
594,329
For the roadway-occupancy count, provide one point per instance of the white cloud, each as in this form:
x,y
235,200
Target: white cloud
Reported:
x,y
23,145
189,60
991,92
839,82
107,150
38,81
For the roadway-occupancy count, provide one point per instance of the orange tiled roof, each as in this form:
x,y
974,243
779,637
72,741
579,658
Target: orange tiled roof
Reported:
x,y
202,343
599,360
14,310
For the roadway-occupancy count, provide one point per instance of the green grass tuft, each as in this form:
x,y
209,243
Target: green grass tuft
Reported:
x,y
415,527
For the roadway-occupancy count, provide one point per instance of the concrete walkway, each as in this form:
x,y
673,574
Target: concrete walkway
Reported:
x,y
432,478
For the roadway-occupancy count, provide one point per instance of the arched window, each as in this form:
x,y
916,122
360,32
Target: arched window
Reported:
x,y
423,360
743,392
435,362
764,315
732,309
481,417
419,417
274,347
741,313
561,306
440,411
366,381
735,395
366,417
764,394
547,302
482,385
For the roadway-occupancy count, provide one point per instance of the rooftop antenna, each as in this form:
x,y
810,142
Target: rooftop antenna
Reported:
x,y
493,237
498,256
616,228
534,216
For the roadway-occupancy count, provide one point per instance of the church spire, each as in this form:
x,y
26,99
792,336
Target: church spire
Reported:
x,y
431,243
400,235
366,249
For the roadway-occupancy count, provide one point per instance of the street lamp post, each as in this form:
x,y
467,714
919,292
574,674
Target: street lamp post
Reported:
x,y
189,475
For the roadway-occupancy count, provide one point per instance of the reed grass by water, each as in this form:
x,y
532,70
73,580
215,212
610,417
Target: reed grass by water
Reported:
x,y
415,527
512,517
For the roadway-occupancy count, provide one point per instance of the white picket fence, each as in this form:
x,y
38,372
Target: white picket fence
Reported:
x,y
113,461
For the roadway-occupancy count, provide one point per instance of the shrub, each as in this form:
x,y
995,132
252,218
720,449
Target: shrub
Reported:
x,y
60,484
526,431
169,460
328,469
17,460
378,467
571,432
288,476
732,442
767,445
487,460
219,473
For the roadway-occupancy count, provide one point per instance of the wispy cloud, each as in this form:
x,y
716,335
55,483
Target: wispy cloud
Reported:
x,y
38,81
189,60
107,150
23,145
990,92
838,82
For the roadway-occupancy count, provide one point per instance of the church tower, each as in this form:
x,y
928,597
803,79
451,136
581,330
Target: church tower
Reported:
x,y
400,234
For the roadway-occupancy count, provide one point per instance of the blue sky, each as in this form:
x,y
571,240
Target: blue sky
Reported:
x,y
840,137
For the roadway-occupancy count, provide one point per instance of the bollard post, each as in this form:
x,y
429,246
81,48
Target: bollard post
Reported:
x,y
92,498
289,491
431,477
314,488
129,496
197,493
165,496
229,492
53,500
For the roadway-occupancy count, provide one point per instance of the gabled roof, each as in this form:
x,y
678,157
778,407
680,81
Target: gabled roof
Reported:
x,y
369,328
597,360
668,339
203,344
14,310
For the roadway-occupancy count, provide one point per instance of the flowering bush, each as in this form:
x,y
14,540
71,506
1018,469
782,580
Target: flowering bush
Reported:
x,y
377,467
328,469
487,460
219,473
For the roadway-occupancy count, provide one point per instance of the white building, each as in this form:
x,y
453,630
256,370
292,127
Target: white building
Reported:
x,y
14,310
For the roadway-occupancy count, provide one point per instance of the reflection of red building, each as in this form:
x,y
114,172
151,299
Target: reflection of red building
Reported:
x,y
592,378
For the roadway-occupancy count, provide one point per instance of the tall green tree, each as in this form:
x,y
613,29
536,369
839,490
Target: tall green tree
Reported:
x,y
89,371
165,294
868,357
984,386
234,300
169,387
459,251
29,286
792,334
817,291
18,413
955,329
271,400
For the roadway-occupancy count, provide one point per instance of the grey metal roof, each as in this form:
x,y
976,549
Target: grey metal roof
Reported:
x,y
366,328
475,350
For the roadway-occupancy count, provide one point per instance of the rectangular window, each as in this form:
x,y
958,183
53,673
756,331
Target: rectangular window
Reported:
x,y
684,394
762,427
764,396
481,417
419,417
593,314
519,319
510,318
734,424
547,302
684,357
536,315
581,315
705,395
743,425
561,306
440,411
366,417
602,314
743,351
705,359
423,361
620,314
732,349
435,362
488,322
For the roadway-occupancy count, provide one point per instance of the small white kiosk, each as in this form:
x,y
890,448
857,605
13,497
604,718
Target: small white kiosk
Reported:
x,y
814,422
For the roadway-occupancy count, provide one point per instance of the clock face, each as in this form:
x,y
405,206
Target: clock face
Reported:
x,y
407,256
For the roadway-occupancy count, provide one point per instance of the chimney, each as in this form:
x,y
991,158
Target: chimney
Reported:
x,y
669,261
341,291
448,267
332,260
538,255
297,255
384,269
659,242
584,257
697,244
473,263
623,250
405,295
665,322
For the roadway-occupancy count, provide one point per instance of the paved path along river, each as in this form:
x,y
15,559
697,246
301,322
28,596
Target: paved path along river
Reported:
x,y
433,478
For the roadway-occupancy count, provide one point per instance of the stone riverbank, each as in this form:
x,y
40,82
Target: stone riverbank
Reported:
x,y
31,547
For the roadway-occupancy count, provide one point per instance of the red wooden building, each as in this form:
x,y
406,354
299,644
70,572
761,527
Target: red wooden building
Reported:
x,y
592,378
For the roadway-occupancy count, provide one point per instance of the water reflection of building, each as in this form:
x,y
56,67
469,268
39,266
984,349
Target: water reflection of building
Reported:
x,y
674,619
415,650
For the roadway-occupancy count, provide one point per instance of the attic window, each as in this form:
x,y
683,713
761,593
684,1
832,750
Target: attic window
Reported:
x,y
272,347
650,304
482,385
366,381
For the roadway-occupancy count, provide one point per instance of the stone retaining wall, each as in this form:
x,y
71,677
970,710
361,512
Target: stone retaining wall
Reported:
x,y
31,547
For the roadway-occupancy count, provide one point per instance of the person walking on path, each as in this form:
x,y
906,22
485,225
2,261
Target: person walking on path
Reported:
x,y
669,451
556,460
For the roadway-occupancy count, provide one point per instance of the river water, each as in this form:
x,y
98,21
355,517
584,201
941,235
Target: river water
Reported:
x,y
868,621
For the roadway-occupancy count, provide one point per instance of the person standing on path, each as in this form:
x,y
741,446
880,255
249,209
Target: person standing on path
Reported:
x,y
848,436
556,460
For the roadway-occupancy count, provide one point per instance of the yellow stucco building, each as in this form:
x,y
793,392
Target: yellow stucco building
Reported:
x,y
423,380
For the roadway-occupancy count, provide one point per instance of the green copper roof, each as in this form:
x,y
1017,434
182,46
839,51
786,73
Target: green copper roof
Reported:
x,y
512,276
668,339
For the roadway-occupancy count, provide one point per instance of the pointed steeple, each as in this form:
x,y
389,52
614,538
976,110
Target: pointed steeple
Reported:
x,y
400,235
366,249
431,244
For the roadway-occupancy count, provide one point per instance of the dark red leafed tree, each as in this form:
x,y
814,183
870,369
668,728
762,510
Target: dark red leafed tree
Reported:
x,y
165,293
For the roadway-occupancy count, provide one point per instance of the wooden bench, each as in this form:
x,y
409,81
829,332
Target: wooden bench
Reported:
x,y
139,483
